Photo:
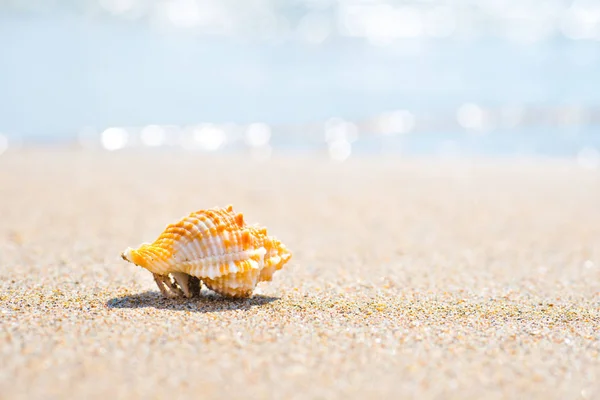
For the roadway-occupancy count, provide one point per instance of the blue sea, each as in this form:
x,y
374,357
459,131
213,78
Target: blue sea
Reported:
x,y
473,87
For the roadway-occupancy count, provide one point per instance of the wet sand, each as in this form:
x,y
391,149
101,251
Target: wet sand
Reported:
x,y
409,278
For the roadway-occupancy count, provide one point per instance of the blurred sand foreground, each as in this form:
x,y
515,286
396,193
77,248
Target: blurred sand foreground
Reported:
x,y
413,278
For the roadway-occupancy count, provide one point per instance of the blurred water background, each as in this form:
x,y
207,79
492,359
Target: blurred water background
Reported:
x,y
336,77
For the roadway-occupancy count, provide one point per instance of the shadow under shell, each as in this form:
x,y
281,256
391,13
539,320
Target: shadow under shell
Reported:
x,y
207,302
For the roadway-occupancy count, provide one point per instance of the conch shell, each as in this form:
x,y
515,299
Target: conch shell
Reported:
x,y
214,246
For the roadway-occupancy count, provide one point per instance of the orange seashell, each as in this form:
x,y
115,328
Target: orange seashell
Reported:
x,y
214,246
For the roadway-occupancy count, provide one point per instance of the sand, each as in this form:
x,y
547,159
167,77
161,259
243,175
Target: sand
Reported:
x,y
410,279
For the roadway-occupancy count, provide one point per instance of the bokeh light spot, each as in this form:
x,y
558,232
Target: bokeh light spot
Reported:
x,y
257,135
471,116
153,136
397,122
183,13
114,138
209,137
337,129
588,158
340,150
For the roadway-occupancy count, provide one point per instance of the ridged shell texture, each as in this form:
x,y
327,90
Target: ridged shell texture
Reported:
x,y
214,246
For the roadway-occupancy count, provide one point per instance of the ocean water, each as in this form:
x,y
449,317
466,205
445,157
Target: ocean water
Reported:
x,y
65,70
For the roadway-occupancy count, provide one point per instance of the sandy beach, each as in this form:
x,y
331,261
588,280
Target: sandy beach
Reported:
x,y
409,279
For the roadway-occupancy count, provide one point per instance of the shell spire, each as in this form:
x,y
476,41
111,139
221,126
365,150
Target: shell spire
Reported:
x,y
214,246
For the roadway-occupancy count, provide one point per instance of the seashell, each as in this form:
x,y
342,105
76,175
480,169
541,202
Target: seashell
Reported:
x,y
214,246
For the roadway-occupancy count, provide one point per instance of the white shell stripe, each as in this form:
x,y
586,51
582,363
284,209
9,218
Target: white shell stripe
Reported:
x,y
210,265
